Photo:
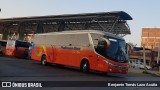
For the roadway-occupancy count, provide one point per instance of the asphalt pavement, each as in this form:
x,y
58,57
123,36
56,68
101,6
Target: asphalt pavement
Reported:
x,y
13,69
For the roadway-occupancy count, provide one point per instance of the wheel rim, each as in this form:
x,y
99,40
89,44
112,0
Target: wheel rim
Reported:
x,y
85,67
43,60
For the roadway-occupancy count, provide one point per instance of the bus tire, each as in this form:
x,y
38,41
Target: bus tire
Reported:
x,y
84,66
104,73
44,60
60,65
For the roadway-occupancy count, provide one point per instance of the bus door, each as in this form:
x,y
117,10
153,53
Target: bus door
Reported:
x,y
101,49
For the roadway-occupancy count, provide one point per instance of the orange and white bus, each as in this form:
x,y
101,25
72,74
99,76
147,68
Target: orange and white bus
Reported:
x,y
85,49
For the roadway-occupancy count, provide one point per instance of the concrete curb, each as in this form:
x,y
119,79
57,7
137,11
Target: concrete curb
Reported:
x,y
138,74
153,74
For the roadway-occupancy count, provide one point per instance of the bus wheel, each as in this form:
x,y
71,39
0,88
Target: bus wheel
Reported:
x,y
44,60
85,66
104,73
60,66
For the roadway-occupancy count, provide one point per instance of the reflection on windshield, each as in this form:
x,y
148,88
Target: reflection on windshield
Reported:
x,y
112,51
116,52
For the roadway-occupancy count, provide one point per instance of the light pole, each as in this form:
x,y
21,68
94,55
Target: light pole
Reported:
x,y
152,56
144,58
158,57
158,54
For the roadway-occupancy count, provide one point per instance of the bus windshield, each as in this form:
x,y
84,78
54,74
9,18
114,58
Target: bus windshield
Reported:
x,y
116,52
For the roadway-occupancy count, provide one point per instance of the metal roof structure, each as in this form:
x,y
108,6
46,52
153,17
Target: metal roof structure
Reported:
x,y
72,17
113,22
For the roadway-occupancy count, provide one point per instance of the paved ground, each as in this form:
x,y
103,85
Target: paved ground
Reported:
x,y
12,69
142,72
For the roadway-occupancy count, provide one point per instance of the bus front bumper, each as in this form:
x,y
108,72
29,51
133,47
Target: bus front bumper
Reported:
x,y
113,68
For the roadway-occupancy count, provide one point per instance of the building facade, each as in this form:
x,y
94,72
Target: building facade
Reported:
x,y
150,38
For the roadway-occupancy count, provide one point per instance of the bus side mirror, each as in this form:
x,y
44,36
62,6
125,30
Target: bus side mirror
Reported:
x,y
107,42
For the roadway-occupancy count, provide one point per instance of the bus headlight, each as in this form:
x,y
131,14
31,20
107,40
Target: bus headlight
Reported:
x,y
115,66
108,63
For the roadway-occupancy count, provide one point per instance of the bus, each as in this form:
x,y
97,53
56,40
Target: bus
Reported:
x,y
84,49
17,48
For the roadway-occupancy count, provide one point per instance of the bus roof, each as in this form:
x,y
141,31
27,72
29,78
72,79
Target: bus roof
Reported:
x,y
84,31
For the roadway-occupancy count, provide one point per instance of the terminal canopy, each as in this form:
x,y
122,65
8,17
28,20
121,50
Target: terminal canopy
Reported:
x,y
113,22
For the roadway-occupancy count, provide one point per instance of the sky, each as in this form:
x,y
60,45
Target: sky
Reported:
x,y
145,13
